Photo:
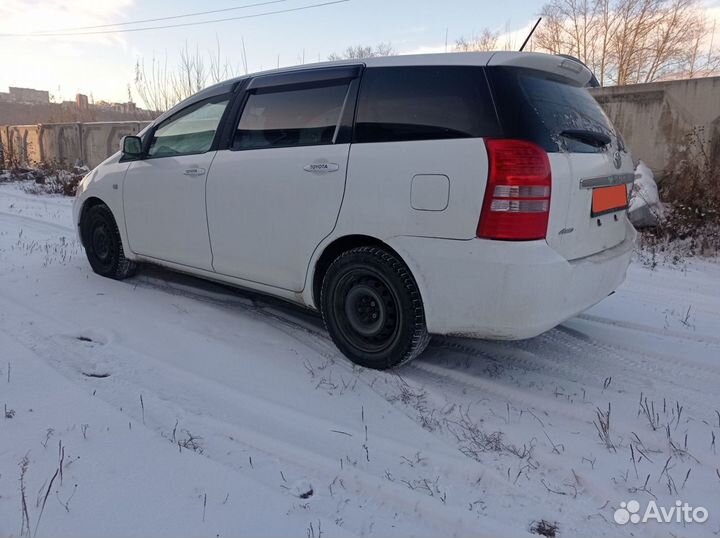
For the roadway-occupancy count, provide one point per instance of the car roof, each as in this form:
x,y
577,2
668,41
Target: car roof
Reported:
x,y
521,59
463,58
459,58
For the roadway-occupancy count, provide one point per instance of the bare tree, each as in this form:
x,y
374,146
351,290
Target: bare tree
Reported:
x,y
359,52
606,26
675,42
634,26
220,68
551,35
572,27
486,40
160,86
631,41
153,84
191,74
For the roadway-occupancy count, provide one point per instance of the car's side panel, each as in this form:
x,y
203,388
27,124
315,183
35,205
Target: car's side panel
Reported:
x,y
381,179
164,202
287,295
379,193
268,209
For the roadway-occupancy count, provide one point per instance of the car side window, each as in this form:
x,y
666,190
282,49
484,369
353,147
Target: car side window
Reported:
x,y
191,132
291,116
424,103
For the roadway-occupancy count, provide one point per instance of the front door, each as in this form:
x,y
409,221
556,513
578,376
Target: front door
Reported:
x,y
276,192
164,193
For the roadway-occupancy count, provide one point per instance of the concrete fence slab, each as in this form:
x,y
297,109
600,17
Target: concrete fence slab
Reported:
x,y
655,120
66,143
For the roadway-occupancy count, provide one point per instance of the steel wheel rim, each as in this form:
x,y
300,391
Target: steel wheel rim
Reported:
x,y
371,328
101,243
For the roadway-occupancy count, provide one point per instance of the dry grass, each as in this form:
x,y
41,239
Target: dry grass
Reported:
x,y
45,178
691,226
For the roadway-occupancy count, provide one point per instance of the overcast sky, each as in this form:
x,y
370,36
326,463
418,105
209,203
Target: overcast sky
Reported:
x,y
103,65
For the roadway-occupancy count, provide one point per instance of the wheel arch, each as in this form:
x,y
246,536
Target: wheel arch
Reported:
x,y
91,201
336,247
94,200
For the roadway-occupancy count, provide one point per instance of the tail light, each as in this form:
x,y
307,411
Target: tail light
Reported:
x,y
517,197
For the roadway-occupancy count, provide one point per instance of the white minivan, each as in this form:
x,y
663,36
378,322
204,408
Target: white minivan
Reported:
x,y
474,194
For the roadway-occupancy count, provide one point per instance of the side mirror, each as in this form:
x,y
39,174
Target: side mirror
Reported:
x,y
131,148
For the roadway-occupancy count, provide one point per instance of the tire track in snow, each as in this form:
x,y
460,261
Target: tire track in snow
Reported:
x,y
58,201
561,350
303,329
37,222
638,365
628,325
549,361
132,375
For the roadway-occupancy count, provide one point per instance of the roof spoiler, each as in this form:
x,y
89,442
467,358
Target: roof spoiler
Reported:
x,y
560,64
593,82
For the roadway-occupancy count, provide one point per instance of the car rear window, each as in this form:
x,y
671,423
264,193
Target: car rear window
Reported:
x,y
538,106
424,103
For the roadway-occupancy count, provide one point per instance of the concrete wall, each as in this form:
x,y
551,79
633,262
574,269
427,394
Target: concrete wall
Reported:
x,y
656,119
87,143
61,141
100,140
21,143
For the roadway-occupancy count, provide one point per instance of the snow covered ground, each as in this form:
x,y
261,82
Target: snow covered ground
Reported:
x,y
167,406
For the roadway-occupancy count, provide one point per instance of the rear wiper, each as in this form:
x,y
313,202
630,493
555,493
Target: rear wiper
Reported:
x,y
591,138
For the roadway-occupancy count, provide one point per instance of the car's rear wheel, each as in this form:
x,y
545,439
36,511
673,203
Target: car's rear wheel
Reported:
x,y
372,308
103,245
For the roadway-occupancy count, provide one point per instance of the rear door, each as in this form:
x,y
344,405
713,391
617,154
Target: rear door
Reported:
x,y
275,194
590,166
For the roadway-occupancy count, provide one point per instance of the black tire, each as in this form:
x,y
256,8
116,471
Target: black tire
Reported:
x,y
103,246
372,308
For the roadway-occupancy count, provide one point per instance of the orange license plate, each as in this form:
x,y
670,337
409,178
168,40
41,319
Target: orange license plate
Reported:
x,y
609,199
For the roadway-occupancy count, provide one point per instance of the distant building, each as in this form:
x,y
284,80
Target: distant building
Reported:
x,y
28,96
81,101
123,108
24,106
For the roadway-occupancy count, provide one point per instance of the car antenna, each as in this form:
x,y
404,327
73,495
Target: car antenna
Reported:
x,y
530,34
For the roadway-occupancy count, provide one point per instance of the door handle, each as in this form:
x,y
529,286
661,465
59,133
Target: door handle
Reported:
x,y
194,172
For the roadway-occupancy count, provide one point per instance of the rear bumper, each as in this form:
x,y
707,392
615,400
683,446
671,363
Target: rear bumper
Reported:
x,y
506,290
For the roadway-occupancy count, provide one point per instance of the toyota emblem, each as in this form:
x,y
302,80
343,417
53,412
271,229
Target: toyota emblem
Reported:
x,y
617,160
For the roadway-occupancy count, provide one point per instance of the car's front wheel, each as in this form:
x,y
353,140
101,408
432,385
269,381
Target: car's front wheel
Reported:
x,y
372,308
103,245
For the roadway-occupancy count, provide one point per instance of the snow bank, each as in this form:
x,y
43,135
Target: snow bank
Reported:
x,y
645,205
